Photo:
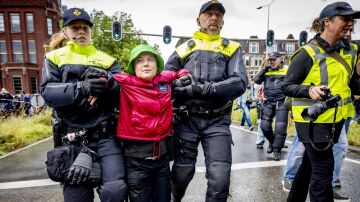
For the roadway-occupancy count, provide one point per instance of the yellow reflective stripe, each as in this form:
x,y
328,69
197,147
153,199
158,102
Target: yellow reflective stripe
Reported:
x,y
214,46
281,71
64,56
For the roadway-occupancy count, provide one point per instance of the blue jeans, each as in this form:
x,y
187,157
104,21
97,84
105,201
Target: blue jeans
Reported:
x,y
297,150
260,137
294,158
246,113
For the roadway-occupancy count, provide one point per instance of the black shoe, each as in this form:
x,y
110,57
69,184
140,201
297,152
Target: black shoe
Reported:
x,y
259,146
338,197
270,149
277,155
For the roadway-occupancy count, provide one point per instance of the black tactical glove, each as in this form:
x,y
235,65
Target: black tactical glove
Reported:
x,y
183,81
79,171
191,90
94,72
95,87
267,68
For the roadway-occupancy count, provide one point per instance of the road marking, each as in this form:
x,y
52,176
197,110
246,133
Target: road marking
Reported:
x,y
290,142
28,183
199,169
240,166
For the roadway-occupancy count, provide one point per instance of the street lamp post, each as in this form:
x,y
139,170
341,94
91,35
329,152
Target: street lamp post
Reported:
x,y
268,18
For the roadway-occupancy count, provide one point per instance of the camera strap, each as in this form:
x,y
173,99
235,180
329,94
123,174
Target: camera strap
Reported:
x,y
338,58
311,134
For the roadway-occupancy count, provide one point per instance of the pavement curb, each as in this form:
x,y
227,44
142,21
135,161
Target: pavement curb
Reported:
x,y
30,145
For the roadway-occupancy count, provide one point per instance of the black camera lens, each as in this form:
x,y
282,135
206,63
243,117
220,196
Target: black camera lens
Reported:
x,y
313,112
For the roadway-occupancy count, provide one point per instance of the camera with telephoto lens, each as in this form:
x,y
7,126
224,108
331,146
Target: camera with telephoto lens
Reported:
x,y
314,111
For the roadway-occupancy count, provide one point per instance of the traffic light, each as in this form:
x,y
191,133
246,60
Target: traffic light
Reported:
x,y
270,38
116,30
167,34
303,38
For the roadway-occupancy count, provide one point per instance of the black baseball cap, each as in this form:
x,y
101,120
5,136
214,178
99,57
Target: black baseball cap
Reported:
x,y
212,4
274,55
73,14
339,9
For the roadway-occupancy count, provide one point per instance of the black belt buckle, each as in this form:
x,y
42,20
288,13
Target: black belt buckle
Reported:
x,y
152,158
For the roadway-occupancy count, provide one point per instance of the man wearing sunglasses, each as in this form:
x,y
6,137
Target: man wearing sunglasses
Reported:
x,y
273,76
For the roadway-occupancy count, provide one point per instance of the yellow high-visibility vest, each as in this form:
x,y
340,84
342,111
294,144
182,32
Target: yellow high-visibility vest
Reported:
x,y
328,72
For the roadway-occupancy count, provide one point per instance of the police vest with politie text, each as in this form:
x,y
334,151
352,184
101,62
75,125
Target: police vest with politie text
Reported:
x,y
207,57
72,61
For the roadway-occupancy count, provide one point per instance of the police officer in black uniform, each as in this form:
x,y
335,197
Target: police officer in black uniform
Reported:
x,y
70,83
202,109
273,77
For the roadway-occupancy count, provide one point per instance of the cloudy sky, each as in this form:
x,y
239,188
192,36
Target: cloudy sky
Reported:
x,y
242,19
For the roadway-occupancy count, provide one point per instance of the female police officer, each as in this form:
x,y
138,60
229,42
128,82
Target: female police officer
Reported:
x,y
324,63
68,87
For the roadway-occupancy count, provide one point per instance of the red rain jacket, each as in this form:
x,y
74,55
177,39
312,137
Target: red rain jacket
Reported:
x,y
145,106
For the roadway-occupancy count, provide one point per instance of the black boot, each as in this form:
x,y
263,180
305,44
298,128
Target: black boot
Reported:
x,y
270,149
277,155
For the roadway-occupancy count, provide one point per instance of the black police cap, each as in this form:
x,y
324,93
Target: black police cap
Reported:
x,y
274,55
212,4
339,9
73,14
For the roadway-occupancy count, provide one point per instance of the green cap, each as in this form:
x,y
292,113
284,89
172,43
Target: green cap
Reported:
x,y
142,48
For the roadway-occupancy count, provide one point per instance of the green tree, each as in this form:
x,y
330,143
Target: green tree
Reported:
x,y
103,40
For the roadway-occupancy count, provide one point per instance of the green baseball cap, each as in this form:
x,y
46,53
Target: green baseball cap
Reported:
x,y
142,48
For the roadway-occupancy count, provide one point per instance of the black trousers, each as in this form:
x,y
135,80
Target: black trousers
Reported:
x,y
148,180
316,171
277,136
215,137
113,186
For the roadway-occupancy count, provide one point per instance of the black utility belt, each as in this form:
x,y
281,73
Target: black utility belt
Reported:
x,y
203,111
102,131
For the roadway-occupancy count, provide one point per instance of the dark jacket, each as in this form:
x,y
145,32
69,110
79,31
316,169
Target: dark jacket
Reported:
x,y
224,76
272,84
61,85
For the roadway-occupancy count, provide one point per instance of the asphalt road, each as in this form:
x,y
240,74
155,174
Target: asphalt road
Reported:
x,y
255,175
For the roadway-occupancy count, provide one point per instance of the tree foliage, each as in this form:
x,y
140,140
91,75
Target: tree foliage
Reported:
x,y
103,40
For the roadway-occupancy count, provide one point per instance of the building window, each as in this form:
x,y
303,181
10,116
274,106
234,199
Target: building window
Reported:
x,y
290,48
254,47
247,61
33,84
29,22
256,61
3,52
17,84
2,24
15,22
49,26
17,51
273,48
32,51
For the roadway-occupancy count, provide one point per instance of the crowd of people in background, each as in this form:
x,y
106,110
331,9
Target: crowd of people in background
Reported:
x,y
16,104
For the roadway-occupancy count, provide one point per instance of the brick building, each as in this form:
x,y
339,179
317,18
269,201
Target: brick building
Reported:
x,y
254,50
24,27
